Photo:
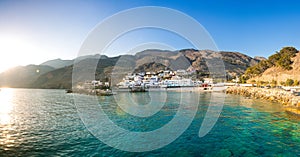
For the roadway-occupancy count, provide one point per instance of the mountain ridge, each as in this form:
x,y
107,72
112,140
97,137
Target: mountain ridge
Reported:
x,y
189,59
58,63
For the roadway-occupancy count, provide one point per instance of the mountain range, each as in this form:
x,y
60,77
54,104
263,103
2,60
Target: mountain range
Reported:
x,y
58,73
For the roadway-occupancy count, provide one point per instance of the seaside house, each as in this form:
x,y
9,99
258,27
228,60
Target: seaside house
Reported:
x,y
181,72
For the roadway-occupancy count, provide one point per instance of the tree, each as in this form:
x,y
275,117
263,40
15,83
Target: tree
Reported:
x,y
274,58
273,83
289,82
282,83
285,62
243,79
263,82
296,83
288,50
285,55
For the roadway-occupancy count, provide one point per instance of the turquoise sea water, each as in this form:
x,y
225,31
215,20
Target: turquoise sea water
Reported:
x,y
46,123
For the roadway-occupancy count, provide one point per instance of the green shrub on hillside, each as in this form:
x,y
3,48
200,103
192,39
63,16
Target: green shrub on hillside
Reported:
x,y
273,83
243,79
289,82
282,83
285,57
280,59
296,83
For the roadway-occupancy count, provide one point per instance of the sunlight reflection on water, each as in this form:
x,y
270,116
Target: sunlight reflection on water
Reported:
x,y
6,105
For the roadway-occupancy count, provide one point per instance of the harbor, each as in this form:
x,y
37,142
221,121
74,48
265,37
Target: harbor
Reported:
x,y
167,80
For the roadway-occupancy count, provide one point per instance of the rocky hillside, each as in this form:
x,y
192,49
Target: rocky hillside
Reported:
x,y
235,63
152,66
23,76
148,60
280,74
279,67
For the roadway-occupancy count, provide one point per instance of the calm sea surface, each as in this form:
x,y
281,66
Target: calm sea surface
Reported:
x,y
37,122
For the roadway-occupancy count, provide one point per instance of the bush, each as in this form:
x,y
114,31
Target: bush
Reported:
x,y
243,79
289,82
283,57
273,83
296,83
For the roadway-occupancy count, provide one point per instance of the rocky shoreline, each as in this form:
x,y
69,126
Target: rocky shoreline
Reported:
x,y
290,102
98,92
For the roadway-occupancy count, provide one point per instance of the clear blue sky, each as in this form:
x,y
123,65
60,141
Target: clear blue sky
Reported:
x,y
41,30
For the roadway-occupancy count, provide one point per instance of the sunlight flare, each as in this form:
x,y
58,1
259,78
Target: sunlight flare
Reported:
x,y
6,105
15,51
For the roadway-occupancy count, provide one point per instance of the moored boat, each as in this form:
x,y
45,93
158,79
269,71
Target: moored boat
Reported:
x,y
138,87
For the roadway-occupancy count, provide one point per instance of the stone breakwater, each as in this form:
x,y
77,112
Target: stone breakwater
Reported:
x,y
290,102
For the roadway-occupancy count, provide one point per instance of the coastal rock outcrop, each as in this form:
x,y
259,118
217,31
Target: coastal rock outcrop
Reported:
x,y
290,101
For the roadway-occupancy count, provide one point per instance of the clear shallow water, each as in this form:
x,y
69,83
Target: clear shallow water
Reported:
x,y
45,123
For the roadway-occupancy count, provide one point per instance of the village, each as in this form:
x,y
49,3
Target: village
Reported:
x,y
145,81
161,79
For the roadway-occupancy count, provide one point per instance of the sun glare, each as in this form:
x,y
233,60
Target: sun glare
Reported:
x,y
15,51
6,105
